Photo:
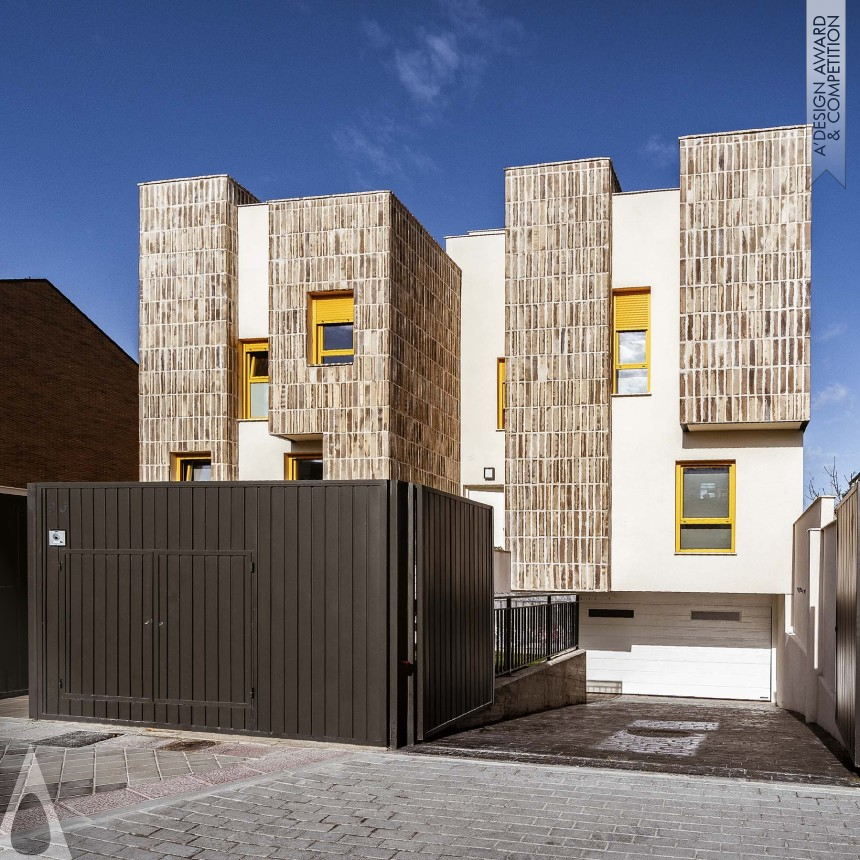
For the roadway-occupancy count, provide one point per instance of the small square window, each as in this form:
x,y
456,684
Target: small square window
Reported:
x,y
192,467
705,507
331,328
303,467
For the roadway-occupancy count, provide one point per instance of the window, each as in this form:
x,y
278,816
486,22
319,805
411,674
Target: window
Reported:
x,y
705,507
303,467
632,341
255,379
192,467
331,328
501,407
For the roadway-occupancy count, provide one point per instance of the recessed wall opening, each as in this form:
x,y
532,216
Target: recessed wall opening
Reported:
x,y
610,613
714,615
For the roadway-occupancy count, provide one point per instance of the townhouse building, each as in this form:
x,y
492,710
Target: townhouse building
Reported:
x,y
313,338
635,389
623,376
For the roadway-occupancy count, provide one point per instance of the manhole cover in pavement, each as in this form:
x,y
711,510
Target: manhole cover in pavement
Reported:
x,y
73,740
187,746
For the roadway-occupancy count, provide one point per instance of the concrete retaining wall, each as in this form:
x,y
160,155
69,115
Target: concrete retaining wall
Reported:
x,y
555,684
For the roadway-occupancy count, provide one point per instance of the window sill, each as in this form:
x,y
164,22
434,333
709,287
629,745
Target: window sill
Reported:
x,y
716,553
643,394
333,364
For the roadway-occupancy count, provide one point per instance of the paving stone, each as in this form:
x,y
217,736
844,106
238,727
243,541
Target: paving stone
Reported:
x,y
746,740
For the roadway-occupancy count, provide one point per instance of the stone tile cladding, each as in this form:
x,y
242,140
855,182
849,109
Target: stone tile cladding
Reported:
x,y
558,221
188,322
745,277
394,412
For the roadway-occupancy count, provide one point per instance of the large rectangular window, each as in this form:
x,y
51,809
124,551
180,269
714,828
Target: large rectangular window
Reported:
x,y
501,409
192,467
705,507
303,467
255,379
331,324
632,341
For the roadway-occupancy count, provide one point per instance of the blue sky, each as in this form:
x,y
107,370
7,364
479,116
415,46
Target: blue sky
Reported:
x,y
431,98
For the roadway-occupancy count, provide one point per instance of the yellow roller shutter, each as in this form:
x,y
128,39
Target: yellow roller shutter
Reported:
x,y
333,309
632,311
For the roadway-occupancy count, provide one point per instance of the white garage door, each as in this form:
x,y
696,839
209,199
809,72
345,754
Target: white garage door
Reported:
x,y
710,646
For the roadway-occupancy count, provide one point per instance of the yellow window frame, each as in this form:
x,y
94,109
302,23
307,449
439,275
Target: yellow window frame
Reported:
x,y
632,319
182,465
291,462
501,393
681,520
249,347
330,308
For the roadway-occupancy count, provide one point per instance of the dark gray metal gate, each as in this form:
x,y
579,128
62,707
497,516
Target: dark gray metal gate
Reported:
x,y
285,609
455,609
13,595
847,612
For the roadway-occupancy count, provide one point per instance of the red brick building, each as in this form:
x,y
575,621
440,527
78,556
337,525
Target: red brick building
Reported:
x,y
68,412
68,393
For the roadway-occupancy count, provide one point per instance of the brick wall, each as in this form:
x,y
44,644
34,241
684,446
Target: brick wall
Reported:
x,y
68,393
745,277
189,398
558,221
393,412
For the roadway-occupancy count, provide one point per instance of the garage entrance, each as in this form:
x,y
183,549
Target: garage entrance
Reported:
x,y
698,645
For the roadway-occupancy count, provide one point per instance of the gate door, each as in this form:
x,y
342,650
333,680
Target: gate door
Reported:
x,y
204,639
106,606
454,588
158,637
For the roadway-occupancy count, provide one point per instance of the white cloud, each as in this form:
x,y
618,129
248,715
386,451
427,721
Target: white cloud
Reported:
x,y
442,61
836,392
660,150
436,60
379,145
376,36
832,331
427,70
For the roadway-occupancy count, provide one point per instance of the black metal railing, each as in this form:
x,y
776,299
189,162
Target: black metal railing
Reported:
x,y
534,628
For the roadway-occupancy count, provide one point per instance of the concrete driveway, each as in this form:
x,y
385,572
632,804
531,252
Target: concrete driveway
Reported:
x,y
747,740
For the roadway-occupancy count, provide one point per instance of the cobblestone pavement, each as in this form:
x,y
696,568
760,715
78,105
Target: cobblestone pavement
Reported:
x,y
128,767
390,806
687,736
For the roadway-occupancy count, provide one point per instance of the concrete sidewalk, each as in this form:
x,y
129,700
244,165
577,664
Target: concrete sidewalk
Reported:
x,y
88,768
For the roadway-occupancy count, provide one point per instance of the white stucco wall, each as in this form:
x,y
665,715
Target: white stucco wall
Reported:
x,y
647,441
253,271
481,256
261,455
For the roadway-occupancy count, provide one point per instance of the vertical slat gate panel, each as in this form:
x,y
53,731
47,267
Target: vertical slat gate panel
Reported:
x,y
847,627
153,616
455,671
